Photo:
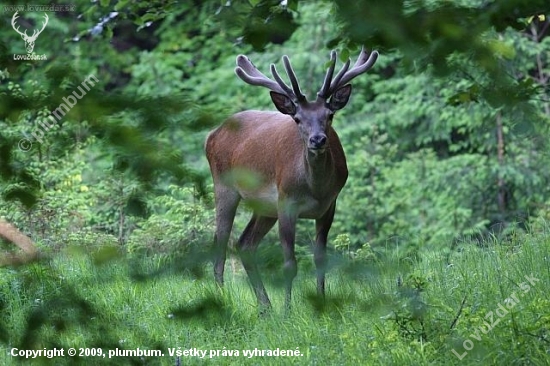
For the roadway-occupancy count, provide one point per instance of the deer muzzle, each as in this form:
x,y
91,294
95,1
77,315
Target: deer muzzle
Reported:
x,y
318,142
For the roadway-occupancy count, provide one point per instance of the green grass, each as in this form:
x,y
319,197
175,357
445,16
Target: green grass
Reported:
x,y
393,310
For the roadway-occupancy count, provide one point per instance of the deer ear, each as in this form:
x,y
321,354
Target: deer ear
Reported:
x,y
340,98
283,103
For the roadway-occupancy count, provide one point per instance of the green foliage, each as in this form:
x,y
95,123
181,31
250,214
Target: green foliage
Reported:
x,y
260,22
396,312
179,222
421,128
434,158
446,141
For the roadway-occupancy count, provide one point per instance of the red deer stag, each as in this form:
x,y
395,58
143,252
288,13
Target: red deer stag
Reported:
x,y
298,160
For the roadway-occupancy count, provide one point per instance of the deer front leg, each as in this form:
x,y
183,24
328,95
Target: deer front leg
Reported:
x,y
287,233
322,226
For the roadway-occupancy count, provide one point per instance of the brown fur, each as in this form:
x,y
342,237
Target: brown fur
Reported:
x,y
269,145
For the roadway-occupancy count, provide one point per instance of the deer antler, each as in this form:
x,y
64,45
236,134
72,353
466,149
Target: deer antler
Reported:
x,y
17,29
35,32
44,23
250,74
364,62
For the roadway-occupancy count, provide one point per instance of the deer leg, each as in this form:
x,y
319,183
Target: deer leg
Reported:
x,y
257,228
227,201
287,233
322,226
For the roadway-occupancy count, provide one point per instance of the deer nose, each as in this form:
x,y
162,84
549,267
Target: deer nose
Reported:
x,y
318,141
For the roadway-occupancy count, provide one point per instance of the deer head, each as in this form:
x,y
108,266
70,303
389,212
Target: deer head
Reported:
x,y
29,40
313,118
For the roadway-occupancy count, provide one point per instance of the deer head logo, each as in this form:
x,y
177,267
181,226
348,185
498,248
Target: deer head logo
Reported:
x,y
29,40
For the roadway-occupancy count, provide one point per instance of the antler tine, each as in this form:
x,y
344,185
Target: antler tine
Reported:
x,y
45,22
293,79
323,92
250,74
13,19
244,63
364,62
258,81
289,92
338,77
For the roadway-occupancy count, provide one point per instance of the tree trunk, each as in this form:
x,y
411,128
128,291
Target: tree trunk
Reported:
x,y
501,184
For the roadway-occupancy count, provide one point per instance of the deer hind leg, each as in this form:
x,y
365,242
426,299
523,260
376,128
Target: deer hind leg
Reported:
x,y
227,201
255,230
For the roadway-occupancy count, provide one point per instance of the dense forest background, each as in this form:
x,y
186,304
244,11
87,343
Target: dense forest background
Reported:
x,y
443,220
446,137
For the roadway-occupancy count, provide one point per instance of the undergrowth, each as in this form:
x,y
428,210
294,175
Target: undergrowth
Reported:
x,y
480,305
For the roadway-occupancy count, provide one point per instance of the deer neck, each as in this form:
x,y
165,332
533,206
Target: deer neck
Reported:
x,y
319,169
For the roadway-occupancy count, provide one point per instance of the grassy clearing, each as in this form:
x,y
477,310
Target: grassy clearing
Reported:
x,y
392,310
